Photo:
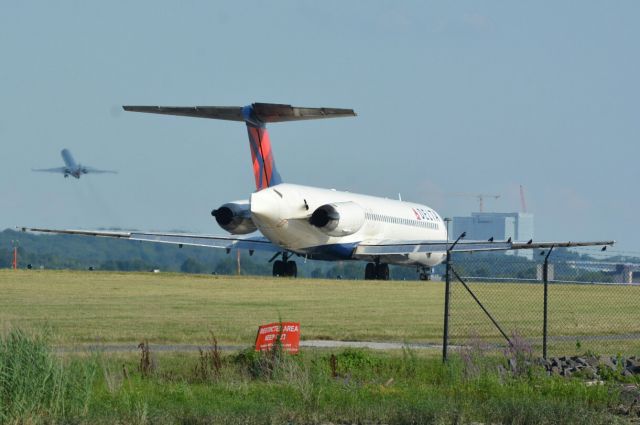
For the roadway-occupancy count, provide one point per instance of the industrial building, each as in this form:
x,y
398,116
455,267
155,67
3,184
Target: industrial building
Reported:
x,y
501,226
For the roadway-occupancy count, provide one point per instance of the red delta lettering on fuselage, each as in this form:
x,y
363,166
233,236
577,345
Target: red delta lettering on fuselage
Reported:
x,y
423,214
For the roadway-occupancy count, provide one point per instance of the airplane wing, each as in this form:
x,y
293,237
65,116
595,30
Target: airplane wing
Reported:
x,y
59,170
370,249
92,170
258,243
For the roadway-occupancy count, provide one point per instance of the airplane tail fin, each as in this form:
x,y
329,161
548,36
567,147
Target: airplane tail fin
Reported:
x,y
256,116
264,166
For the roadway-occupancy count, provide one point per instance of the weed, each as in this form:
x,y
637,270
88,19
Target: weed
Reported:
x,y
333,364
261,364
210,362
409,364
147,364
473,356
519,356
351,360
112,379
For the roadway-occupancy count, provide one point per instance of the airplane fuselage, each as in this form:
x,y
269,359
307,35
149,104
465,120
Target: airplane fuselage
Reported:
x,y
72,168
282,213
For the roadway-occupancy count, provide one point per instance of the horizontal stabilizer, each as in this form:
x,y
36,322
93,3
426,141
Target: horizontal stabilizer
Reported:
x,y
263,112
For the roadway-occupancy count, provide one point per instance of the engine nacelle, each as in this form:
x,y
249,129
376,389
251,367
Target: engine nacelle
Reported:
x,y
235,217
339,219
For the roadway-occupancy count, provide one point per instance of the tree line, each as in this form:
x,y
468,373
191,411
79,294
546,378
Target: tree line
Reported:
x,y
48,251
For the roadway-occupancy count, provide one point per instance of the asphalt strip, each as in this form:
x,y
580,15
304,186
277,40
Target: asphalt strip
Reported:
x,y
124,348
320,343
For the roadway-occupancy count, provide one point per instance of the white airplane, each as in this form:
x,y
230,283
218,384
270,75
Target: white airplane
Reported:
x,y
71,168
316,223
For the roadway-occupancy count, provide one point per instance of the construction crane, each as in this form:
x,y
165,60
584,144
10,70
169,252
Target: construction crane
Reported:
x,y
479,196
523,203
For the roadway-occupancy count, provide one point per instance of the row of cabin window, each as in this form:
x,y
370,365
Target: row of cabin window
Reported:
x,y
397,220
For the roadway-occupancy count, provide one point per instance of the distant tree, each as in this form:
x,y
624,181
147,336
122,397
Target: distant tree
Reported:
x,y
527,273
5,258
316,273
192,266
346,270
482,272
225,266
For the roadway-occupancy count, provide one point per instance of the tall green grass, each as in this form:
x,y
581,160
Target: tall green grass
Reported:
x,y
351,386
346,386
37,386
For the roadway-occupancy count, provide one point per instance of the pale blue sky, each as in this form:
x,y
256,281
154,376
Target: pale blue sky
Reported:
x,y
471,96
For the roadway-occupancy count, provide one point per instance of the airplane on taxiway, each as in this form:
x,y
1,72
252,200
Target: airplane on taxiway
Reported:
x,y
312,222
71,168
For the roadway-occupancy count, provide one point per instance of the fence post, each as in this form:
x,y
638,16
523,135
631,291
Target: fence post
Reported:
x,y
545,280
447,290
447,293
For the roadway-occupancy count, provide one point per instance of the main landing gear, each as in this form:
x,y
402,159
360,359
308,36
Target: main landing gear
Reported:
x,y
376,271
284,267
424,273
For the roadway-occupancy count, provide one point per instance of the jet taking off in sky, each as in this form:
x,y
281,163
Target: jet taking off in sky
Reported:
x,y
316,223
71,168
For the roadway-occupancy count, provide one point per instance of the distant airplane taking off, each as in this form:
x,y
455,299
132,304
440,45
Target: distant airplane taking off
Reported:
x,y
71,168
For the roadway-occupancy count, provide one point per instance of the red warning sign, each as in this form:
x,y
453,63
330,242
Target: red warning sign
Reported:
x,y
288,332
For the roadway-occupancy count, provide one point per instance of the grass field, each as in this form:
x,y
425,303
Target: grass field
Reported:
x,y
40,385
598,318
85,307
89,307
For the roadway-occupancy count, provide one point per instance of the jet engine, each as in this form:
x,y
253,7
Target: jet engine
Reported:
x,y
339,219
235,217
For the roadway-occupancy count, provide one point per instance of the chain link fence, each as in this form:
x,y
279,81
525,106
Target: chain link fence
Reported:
x,y
592,303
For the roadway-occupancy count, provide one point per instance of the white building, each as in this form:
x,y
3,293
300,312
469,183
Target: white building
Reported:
x,y
501,226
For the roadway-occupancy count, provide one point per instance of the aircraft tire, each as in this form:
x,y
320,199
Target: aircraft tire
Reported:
x,y
279,268
382,271
370,271
291,269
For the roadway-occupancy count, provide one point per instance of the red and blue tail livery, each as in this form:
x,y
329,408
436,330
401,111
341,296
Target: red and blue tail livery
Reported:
x,y
256,116
264,166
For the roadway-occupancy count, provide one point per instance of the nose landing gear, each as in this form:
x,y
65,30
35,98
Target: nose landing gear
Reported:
x,y
284,267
